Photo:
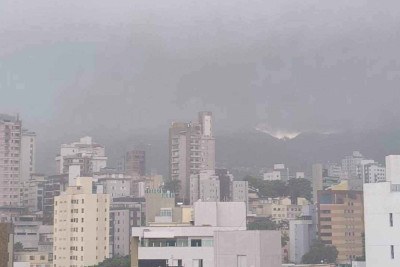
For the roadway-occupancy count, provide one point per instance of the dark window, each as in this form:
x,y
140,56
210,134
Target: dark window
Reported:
x,y
195,243
392,251
326,219
391,219
326,234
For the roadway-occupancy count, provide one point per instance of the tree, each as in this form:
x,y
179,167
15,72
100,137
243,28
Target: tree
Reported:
x,y
18,247
299,188
117,261
173,186
284,239
274,189
254,182
294,188
320,253
263,224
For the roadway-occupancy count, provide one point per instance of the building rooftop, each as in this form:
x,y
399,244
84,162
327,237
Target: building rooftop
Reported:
x,y
8,118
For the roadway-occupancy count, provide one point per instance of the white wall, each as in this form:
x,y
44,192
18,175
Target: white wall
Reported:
x,y
223,214
257,248
379,202
393,169
186,254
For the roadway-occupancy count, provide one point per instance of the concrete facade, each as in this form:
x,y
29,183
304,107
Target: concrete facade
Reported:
x,y
81,226
125,213
34,258
302,233
191,149
204,186
370,171
33,193
81,158
205,243
317,180
382,218
247,248
135,163
6,244
278,209
116,185
10,153
349,165
341,222
53,187
158,200
28,154
216,214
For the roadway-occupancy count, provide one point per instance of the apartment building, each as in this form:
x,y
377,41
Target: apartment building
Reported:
x,y
191,150
135,163
125,213
33,193
28,154
370,171
214,239
53,186
278,209
382,218
81,226
204,186
341,222
10,160
82,158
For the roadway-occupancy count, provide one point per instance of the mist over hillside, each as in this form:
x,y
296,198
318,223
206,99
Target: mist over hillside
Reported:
x,y
246,152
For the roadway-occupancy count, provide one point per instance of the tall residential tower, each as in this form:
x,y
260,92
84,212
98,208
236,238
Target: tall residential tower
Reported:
x,y
191,150
81,226
10,160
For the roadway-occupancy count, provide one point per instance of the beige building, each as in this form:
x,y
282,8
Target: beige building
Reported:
x,y
81,226
6,244
34,258
135,163
191,150
278,209
341,222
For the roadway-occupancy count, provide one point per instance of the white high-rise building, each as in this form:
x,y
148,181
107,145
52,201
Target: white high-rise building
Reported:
x,y
279,172
10,160
204,186
371,172
28,154
382,218
349,165
81,226
81,158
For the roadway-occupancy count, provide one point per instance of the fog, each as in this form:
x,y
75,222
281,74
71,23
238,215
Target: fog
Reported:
x,y
112,69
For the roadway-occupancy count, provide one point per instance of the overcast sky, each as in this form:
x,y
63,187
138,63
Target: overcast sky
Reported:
x,y
118,67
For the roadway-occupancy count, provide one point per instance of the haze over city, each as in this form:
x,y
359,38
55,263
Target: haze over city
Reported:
x,y
199,133
119,68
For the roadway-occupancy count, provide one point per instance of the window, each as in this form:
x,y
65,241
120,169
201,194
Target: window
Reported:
x,y
391,219
197,263
241,261
392,251
195,243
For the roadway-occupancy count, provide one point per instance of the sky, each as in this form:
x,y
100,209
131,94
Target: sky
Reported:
x,y
113,68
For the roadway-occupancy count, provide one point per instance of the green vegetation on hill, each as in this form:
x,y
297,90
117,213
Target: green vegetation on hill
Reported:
x,y
294,188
